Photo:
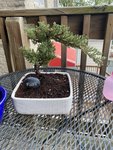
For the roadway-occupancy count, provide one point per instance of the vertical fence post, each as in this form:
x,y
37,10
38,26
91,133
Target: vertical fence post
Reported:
x,y
5,42
86,31
64,21
43,18
107,40
16,40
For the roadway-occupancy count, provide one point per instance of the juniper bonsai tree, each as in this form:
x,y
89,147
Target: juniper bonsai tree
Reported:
x,y
42,34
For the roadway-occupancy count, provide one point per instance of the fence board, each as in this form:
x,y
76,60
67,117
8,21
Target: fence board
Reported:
x,y
15,40
86,31
5,44
43,19
57,11
107,40
64,21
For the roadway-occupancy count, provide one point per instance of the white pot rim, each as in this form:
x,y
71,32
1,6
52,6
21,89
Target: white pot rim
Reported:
x,y
44,99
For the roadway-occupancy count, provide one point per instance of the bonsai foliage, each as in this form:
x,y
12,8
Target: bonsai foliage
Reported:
x,y
42,35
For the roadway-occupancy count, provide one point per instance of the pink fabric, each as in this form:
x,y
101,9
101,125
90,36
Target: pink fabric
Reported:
x,y
108,88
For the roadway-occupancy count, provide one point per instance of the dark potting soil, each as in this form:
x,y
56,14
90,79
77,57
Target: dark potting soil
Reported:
x,y
52,86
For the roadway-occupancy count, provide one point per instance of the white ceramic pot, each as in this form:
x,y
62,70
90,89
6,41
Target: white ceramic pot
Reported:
x,y
43,105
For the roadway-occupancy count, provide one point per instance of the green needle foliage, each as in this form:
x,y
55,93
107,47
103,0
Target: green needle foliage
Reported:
x,y
42,35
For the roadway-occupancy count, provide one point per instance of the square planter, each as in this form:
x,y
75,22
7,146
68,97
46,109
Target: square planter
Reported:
x,y
43,105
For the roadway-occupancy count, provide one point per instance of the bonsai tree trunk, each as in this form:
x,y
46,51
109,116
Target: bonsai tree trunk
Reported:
x,y
36,68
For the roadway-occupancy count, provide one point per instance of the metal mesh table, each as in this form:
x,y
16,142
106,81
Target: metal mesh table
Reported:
x,y
89,126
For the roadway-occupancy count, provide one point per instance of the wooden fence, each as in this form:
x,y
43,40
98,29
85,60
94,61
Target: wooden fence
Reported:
x,y
95,22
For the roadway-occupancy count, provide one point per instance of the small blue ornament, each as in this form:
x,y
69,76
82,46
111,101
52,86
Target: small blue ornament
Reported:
x,y
32,82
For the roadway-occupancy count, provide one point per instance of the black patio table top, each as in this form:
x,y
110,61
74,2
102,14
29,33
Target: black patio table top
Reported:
x,y
89,126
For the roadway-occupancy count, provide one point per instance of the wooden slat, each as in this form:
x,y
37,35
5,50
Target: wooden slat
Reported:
x,y
57,11
5,44
43,19
86,31
107,40
24,37
64,21
15,40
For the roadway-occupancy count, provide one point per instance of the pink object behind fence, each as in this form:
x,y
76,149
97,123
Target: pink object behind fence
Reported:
x,y
108,88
